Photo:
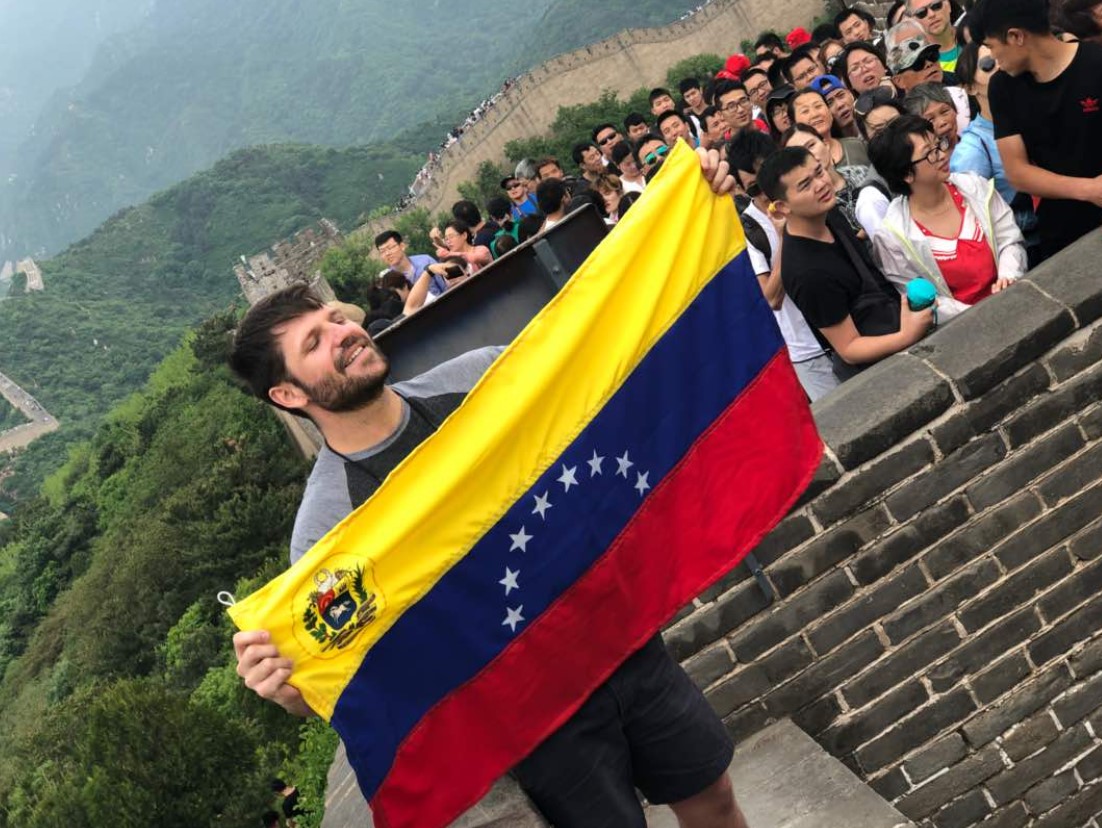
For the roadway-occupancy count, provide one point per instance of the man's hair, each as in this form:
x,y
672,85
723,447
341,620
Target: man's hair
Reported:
x,y
550,195
994,18
708,112
659,92
685,84
597,130
670,113
777,72
467,212
393,280
754,70
890,151
776,167
634,119
529,226
386,236
841,63
621,151
747,150
805,52
547,161
770,40
919,98
499,207
726,87
578,151
825,31
1075,17
526,169
255,356
637,147
846,14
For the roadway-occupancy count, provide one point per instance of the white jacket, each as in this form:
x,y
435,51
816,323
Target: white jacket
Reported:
x,y
904,253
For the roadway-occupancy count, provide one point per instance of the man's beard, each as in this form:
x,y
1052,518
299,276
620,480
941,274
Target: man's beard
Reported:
x,y
342,393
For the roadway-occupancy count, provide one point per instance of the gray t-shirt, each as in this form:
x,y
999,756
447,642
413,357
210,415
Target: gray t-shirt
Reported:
x,y
326,500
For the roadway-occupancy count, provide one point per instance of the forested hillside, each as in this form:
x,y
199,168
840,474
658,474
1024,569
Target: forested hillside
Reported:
x,y
198,79
117,302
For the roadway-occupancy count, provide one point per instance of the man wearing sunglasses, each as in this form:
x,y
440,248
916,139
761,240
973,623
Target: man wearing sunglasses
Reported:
x,y
913,60
522,203
606,136
935,16
649,154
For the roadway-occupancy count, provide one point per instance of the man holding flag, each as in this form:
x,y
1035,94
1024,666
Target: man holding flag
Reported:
x,y
395,633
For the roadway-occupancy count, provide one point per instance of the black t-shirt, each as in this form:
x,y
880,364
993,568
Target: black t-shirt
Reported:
x,y
485,236
827,287
1061,125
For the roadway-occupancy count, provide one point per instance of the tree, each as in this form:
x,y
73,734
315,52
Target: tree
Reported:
x,y
486,184
702,67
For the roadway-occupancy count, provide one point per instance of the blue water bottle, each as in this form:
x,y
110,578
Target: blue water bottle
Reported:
x,y
921,294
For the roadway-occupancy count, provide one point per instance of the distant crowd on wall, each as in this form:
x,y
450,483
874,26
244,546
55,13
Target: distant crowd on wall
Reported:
x,y
889,178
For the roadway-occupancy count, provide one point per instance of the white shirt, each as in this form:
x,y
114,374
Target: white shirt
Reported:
x,y
801,342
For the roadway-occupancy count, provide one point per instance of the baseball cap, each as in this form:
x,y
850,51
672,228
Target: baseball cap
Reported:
x,y
506,181
781,93
906,44
825,84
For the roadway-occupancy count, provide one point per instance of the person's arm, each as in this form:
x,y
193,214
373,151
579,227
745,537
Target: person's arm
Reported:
x,y
1039,182
266,673
772,286
417,294
1011,260
856,349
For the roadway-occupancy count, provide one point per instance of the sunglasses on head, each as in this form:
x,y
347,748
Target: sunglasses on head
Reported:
x,y
653,157
934,7
868,101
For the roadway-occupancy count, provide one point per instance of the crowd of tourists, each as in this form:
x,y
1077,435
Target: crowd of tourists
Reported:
x,y
958,145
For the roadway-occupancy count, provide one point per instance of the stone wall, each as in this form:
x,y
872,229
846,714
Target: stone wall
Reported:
x,y
940,587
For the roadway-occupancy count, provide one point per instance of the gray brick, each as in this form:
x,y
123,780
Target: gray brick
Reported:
x,y
1019,705
871,482
824,675
825,476
734,692
981,415
1054,408
1003,336
740,573
903,544
1087,545
966,810
869,722
791,616
952,473
962,777
941,601
981,534
1076,810
1064,635
946,751
830,548
1075,475
915,730
1051,792
1089,767
1013,782
1000,677
1013,816
713,663
746,722
1091,421
1066,519
1030,736
818,716
879,407
1016,590
900,665
1087,661
861,613
890,785
714,622
1081,351
1024,466
786,660
786,536
982,649
1072,278
1081,701
1080,587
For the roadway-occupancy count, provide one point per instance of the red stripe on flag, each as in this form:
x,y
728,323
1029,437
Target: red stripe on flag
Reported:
x,y
738,479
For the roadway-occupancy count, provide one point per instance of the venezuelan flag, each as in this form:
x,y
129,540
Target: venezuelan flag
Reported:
x,y
627,450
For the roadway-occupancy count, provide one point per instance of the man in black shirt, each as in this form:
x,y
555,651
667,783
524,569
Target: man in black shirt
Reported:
x,y
851,308
1047,107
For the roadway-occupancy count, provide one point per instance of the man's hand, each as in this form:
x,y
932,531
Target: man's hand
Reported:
x,y
1094,191
266,673
914,324
1001,284
716,172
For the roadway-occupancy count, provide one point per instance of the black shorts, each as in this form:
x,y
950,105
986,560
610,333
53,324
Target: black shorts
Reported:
x,y
647,727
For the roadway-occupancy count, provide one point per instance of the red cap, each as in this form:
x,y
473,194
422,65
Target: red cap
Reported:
x,y
797,37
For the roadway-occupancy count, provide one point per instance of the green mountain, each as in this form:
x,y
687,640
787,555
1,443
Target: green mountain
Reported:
x,y
197,79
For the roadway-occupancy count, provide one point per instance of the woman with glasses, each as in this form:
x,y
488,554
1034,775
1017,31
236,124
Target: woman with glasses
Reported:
x,y
862,68
953,229
458,240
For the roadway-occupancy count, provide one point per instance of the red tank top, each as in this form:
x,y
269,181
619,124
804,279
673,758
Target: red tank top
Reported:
x,y
966,261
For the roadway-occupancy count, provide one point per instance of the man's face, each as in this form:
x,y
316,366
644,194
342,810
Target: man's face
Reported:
x,y
663,103
865,71
944,119
841,107
651,155
694,98
758,88
736,109
607,138
516,190
637,131
932,14
804,71
855,28
550,171
673,128
714,127
926,69
629,168
591,160
1011,54
808,192
392,252
332,363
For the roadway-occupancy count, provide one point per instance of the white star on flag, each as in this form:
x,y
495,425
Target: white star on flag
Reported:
x,y
595,464
520,540
543,503
510,580
513,617
568,478
624,464
641,484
